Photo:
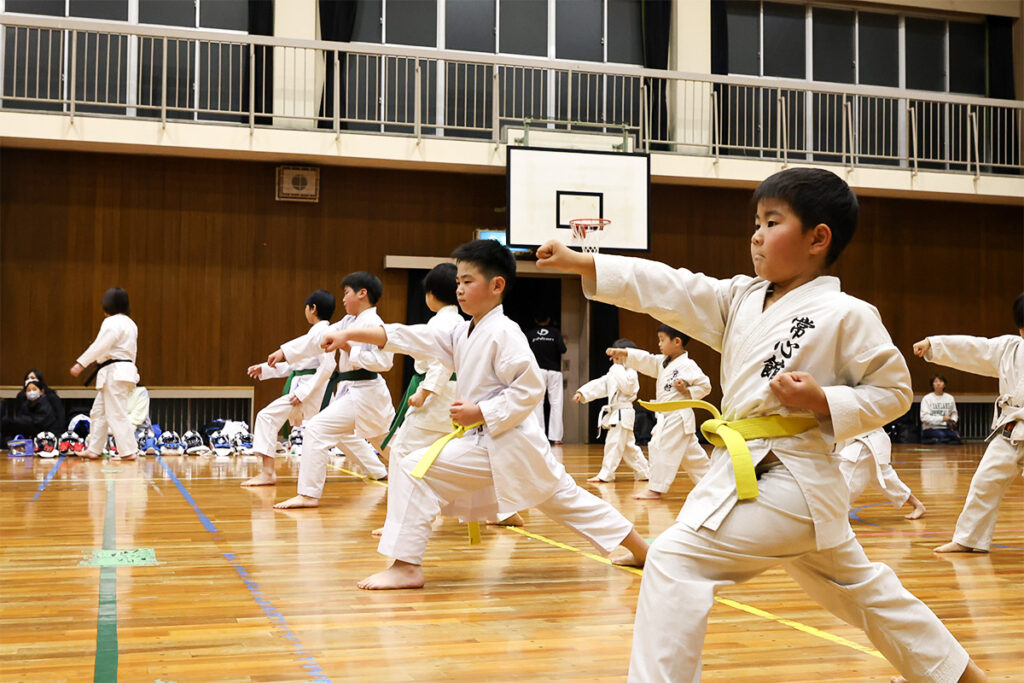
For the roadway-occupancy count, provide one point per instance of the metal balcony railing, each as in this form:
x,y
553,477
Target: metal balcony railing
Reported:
x,y
80,67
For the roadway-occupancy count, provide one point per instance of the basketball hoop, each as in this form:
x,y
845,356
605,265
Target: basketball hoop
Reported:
x,y
586,233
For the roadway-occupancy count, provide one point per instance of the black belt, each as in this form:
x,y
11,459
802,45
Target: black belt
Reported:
x,y
1007,429
100,366
350,376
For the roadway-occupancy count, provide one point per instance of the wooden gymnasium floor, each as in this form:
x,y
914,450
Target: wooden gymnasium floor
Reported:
x,y
220,587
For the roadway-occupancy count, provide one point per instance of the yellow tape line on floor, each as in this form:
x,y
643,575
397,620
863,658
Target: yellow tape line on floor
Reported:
x,y
803,628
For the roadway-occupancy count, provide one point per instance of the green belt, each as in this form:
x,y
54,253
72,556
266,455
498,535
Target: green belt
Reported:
x,y
350,376
403,408
292,375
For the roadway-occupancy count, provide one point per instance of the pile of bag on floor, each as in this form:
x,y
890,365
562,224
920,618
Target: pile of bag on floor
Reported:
x,y
223,438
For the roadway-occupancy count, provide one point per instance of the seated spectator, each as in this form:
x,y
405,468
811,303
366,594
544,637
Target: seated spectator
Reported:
x,y
938,415
35,414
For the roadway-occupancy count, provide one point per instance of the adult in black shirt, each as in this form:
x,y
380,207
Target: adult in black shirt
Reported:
x,y
547,345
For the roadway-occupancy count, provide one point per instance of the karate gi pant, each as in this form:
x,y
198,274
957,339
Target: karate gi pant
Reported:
x,y
553,386
861,473
621,445
670,447
335,425
411,437
1002,463
463,469
685,567
110,413
269,422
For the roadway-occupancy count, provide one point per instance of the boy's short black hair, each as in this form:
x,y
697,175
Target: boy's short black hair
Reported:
x,y
936,376
115,300
673,333
324,302
440,282
491,258
816,196
363,280
1018,312
623,344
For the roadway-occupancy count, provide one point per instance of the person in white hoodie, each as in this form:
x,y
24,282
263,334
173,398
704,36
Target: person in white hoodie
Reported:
x,y
1003,462
620,385
303,391
114,351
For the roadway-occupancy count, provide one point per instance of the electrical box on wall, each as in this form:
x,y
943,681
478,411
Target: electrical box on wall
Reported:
x,y
298,184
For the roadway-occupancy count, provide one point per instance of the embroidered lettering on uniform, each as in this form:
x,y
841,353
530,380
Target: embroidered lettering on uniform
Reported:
x,y
785,348
800,325
772,367
671,379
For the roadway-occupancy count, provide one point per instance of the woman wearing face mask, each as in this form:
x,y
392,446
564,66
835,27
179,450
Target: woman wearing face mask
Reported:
x,y
35,415
48,393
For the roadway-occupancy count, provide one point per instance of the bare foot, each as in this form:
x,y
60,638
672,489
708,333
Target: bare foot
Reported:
x,y
636,551
298,502
597,480
514,520
264,478
398,575
648,495
124,458
918,511
556,443
89,455
378,532
954,547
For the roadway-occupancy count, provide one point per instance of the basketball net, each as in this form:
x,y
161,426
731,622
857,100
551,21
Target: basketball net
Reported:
x,y
587,232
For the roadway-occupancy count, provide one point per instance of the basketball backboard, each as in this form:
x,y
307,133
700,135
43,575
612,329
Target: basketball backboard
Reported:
x,y
548,187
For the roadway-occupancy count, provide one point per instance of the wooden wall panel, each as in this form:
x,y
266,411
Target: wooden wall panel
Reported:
x,y
218,270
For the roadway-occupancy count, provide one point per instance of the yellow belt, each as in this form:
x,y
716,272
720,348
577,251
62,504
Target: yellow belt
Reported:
x,y
734,434
431,455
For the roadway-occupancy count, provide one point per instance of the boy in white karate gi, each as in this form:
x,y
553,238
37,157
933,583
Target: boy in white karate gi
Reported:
x,y
1003,461
114,350
304,391
620,386
360,411
865,459
814,365
503,462
673,439
427,418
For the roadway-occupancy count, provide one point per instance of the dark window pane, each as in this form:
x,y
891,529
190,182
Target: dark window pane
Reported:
x,y
101,72
53,8
926,57
743,37
468,100
523,29
784,40
412,22
579,25
222,67
624,32
228,14
180,62
967,58
524,94
167,12
33,63
115,10
833,46
469,25
879,50
367,26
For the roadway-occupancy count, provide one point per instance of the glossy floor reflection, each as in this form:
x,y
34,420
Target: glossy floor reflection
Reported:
x,y
241,592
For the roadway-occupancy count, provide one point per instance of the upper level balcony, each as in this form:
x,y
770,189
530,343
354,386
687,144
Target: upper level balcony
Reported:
x,y
85,84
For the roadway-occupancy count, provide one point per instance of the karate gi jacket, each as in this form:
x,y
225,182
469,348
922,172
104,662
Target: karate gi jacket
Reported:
x,y
308,356
118,338
620,385
680,367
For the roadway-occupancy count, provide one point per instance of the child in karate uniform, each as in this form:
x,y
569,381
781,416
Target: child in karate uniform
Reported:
x,y
304,391
114,350
865,459
815,366
674,439
427,418
361,409
620,386
1003,461
502,463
